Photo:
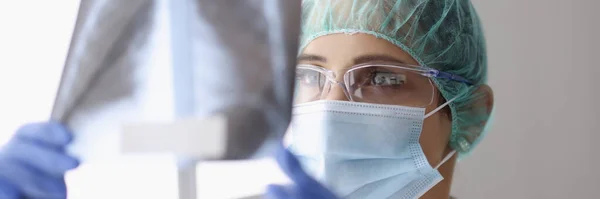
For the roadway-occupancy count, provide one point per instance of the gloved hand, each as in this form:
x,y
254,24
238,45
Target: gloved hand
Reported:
x,y
33,162
303,187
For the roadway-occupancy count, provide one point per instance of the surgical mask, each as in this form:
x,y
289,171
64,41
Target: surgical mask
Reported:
x,y
362,150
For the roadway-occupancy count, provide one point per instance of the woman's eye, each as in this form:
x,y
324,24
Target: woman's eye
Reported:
x,y
308,79
379,78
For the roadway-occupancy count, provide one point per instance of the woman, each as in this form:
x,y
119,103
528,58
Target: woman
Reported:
x,y
387,92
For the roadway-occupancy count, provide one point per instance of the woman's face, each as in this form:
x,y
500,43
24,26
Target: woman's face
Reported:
x,y
339,52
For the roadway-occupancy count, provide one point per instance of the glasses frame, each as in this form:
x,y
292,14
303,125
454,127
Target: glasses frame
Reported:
x,y
428,72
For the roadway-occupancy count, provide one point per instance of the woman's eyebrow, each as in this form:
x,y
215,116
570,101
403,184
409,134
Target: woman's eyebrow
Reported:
x,y
309,57
376,58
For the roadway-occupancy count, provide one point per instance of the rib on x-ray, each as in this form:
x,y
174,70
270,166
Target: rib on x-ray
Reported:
x,y
156,61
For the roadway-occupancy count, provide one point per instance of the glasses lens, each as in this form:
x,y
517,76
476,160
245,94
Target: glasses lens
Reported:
x,y
389,85
309,85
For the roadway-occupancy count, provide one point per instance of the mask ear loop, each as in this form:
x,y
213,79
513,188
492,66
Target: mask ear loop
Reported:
x,y
440,107
430,114
445,159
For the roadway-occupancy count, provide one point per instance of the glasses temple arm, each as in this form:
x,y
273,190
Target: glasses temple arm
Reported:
x,y
444,75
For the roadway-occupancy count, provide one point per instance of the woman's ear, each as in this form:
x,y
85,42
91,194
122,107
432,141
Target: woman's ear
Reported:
x,y
487,99
475,115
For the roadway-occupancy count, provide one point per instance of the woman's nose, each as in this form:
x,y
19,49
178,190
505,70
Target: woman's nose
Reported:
x,y
336,92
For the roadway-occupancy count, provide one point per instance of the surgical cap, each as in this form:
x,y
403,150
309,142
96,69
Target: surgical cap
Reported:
x,y
442,34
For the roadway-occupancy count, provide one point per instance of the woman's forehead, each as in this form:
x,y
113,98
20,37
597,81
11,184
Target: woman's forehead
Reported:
x,y
345,49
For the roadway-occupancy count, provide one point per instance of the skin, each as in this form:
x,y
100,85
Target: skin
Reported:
x,y
339,52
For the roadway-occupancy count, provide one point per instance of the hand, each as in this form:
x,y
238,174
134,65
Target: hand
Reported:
x,y
33,163
303,187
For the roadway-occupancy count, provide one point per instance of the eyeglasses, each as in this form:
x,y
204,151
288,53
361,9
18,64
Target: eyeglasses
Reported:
x,y
405,85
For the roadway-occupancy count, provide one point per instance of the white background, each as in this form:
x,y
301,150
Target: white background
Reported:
x,y
544,68
543,60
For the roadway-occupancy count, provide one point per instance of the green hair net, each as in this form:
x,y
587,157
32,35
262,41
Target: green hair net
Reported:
x,y
442,34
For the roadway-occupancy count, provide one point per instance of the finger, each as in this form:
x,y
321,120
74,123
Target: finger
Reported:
x,y
292,167
51,162
277,192
8,190
50,188
306,185
32,183
49,133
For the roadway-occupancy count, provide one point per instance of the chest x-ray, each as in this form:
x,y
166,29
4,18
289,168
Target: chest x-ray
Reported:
x,y
217,75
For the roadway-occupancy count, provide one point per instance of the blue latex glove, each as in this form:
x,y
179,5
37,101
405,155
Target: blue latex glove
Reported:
x,y
303,187
33,163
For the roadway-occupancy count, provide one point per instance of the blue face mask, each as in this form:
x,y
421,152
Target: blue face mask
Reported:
x,y
362,150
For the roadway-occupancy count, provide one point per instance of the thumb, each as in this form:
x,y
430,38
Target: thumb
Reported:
x,y
290,165
278,192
